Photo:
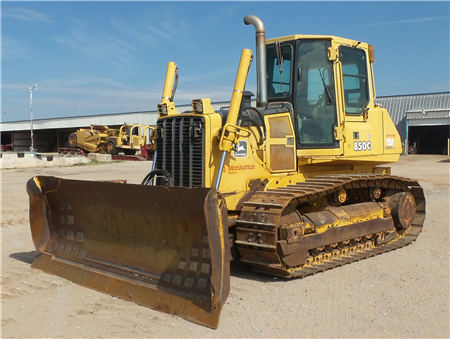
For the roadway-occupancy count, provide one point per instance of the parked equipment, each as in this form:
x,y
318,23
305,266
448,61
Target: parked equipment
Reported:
x,y
291,187
128,139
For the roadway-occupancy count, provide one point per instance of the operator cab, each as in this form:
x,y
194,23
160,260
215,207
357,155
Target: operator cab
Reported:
x,y
300,71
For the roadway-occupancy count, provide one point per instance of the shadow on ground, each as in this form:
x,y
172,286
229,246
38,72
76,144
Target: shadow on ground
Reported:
x,y
26,257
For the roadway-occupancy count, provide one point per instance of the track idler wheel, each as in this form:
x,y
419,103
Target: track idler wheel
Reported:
x,y
403,209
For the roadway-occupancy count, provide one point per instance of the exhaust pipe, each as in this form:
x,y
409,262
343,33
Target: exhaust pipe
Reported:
x,y
261,71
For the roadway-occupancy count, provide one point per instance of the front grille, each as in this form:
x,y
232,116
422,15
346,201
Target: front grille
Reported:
x,y
180,149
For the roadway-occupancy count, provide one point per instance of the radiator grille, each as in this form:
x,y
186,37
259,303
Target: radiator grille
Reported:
x,y
180,149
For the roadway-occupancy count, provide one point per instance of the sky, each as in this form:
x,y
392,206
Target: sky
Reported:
x,y
90,58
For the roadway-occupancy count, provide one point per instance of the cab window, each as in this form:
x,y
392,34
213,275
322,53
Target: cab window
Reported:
x,y
279,70
354,73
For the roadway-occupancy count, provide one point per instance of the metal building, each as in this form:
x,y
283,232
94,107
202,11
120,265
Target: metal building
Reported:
x,y
52,134
423,121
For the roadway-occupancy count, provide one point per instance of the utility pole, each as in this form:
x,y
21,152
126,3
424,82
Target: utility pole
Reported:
x,y
31,117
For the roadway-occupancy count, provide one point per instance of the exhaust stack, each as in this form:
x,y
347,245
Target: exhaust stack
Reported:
x,y
261,71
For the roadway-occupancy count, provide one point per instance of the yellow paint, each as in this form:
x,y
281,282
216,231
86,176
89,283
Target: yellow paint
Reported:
x,y
167,106
350,221
230,133
222,251
363,141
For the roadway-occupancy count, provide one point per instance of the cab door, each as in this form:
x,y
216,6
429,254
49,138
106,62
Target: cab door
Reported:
x,y
363,121
135,137
316,111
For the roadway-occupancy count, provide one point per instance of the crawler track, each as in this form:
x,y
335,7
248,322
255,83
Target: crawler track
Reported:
x,y
258,237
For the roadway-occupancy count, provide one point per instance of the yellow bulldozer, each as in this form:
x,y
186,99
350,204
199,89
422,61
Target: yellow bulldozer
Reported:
x,y
291,186
129,138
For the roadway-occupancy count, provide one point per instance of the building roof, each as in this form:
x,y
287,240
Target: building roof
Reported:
x,y
399,105
112,119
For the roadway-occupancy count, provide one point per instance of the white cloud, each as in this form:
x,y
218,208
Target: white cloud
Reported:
x,y
408,21
25,14
84,80
165,33
13,49
135,33
219,73
103,48
149,34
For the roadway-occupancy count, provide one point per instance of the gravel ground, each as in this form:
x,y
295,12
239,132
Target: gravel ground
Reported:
x,y
401,294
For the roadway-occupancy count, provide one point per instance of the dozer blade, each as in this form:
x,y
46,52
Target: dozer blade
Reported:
x,y
161,247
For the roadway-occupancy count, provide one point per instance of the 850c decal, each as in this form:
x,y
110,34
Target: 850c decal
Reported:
x,y
362,146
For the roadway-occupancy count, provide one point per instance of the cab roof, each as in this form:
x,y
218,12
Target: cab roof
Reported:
x,y
338,40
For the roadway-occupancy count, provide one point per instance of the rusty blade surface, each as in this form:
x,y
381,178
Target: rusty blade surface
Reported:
x,y
161,247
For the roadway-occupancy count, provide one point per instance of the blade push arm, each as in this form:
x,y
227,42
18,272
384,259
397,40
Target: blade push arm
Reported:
x,y
230,132
167,106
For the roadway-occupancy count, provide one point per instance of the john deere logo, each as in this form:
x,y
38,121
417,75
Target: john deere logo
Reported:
x,y
242,149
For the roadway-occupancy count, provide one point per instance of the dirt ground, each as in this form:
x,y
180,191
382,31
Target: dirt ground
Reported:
x,y
401,294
